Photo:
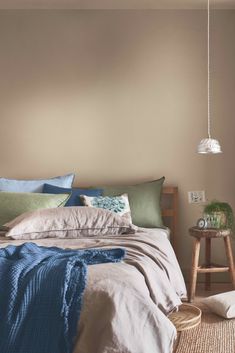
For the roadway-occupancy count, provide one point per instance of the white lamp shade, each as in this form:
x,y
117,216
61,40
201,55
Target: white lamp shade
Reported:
x,y
209,146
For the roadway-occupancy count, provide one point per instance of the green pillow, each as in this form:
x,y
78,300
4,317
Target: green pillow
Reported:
x,y
13,204
144,201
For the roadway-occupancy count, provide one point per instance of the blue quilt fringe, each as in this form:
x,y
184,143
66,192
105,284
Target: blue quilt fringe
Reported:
x,y
41,292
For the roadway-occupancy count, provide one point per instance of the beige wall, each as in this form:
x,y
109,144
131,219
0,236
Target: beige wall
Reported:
x,y
117,96
221,169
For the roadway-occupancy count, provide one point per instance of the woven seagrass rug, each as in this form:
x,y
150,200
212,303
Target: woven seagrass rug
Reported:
x,y
213,335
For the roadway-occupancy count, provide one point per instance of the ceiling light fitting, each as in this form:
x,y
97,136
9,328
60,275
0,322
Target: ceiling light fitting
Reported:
x,y
208,145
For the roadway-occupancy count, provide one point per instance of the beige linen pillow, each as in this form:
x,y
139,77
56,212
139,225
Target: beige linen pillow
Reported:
x,y
68,222
222,304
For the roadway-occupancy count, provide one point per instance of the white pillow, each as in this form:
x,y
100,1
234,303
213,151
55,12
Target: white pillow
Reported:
x,y
222,304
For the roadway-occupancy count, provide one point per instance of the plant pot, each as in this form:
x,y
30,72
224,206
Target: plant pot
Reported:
x,y
217,220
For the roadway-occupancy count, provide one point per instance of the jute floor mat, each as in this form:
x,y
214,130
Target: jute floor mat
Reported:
x,y
213,335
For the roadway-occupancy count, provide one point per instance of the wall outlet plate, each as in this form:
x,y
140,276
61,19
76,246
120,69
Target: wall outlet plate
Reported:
x,y
196,196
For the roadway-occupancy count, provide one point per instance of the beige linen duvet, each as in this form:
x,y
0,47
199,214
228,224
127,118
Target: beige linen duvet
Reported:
x,y
126,304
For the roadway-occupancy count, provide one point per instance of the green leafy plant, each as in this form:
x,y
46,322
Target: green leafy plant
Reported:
x,y
221,207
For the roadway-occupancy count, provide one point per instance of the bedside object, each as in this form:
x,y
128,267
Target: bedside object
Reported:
x,y
219,215
222,304
209,268
202,223
188,316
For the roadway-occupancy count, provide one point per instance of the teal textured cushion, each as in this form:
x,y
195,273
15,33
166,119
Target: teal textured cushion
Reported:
x,y
12,204
144,201
116,204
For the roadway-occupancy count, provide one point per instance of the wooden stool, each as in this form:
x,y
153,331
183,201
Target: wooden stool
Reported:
x,y
209,268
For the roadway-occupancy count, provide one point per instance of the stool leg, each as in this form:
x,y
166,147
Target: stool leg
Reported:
x,y
208,263
195,259
229,254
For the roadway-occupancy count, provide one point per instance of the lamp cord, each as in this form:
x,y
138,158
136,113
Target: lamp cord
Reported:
x,y
208,69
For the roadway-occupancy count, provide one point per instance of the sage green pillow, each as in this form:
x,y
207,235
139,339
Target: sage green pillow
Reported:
x,y
13,204
144,201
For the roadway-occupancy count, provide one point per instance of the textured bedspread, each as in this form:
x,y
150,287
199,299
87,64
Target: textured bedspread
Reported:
x,y
41,295
125,304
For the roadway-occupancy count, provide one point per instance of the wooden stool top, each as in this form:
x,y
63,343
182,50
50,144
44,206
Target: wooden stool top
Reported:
x,y
209,232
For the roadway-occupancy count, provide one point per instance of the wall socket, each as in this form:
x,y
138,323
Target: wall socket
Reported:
x,y
196,196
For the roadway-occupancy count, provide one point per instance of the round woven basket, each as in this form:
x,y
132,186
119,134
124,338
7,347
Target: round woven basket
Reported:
x,y
188,316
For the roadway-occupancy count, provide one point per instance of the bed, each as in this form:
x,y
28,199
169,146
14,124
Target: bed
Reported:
x,y
126,304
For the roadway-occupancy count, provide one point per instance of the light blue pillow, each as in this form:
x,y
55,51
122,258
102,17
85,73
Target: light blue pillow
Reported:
x,y
35,185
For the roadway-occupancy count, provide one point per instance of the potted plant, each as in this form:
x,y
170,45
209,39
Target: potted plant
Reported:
x,y
219,215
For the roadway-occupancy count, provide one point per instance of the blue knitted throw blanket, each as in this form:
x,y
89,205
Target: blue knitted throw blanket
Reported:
x,y
41,293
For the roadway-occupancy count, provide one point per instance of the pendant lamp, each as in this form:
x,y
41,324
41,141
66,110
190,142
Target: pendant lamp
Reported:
x,y
208,145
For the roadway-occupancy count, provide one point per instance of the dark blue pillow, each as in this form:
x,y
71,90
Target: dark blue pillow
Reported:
x,y
74,199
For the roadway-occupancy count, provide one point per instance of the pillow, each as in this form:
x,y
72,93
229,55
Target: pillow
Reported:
x,y
12,204
74,199
222,304
35,185
144,202
116,204
68,222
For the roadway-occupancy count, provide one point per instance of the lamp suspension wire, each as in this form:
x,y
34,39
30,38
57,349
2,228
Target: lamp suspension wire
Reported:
x,y
209,145
208,70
